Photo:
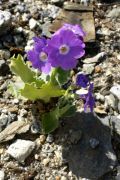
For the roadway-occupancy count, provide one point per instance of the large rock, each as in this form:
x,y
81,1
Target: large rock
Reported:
x,y
76,14
86,161
5,21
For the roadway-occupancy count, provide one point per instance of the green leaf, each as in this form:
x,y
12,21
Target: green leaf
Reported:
x,y
68,111
50,121
60,76
20,68
66,106
47,91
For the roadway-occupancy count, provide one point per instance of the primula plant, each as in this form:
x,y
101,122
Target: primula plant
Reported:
x,y
47,74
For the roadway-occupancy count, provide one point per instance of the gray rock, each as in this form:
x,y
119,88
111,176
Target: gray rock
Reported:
x,y
3,121
21,149
111,101
35,127
4,54
83,161
99,97
115,124
52,11
5,21
115,90
25,17
11,118
2,175
45,29
23,113
88,68
20,8
6,119
4,86
49,138
114,13
4,69
94,59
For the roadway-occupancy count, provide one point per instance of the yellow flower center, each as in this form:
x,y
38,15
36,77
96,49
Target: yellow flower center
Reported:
x,y
64,49
43,56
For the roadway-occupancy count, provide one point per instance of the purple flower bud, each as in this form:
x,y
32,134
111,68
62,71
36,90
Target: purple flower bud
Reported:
x,y
82,80
89,99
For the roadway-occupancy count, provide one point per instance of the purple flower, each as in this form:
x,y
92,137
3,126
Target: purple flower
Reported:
x,y
76,29
38,55
64,49
89,99
82,80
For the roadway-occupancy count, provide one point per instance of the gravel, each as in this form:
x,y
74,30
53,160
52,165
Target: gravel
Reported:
x,y
44,156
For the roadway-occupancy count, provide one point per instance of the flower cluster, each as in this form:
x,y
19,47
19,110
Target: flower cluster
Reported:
x,y
54,58
63,50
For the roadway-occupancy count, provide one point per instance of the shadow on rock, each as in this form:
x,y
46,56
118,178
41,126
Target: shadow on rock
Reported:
x,y
87,145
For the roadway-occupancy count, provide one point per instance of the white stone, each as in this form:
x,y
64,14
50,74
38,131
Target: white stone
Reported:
x,y
111,101
63,178
118,56
25,17
2,175
115,90
99,97
32,23
46,161
94,59
5,21
21,149
114,13
81,91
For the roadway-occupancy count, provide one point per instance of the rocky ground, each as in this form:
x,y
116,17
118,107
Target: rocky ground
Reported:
x,y
74,151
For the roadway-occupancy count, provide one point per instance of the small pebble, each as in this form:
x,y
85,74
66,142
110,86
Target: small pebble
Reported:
x,y
49,138
46,161
63,178
42,139
57,178
94,143
36,156
32,23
